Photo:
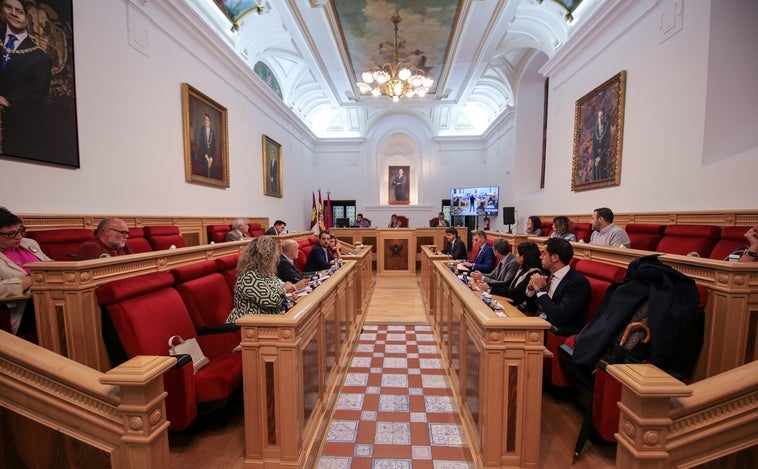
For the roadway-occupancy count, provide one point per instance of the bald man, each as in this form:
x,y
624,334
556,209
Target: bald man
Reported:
x,y
286,269
110,240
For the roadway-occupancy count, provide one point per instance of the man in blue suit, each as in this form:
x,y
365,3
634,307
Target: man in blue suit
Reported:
x,y
484,261
563,297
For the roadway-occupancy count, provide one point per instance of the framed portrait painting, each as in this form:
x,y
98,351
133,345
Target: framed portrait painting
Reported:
x,y
399,185
272,168
206,140
598,135
38,105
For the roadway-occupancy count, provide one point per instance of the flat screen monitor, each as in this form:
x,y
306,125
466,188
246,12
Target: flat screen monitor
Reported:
x,y
482,200
342,222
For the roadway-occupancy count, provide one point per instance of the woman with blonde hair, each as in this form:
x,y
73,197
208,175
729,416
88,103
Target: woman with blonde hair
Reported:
x,y
258,290
561,229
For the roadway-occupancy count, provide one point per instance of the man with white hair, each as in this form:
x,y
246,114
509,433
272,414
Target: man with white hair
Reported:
x,y
239,230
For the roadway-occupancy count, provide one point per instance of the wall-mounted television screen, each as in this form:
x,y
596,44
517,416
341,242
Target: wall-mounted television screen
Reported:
x,y
475,200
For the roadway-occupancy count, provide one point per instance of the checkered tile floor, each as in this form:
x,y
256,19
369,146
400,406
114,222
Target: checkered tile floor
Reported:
x,y
396,409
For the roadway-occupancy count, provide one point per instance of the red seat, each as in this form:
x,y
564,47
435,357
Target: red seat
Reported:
x,y
255,229
59,245
644,236
684,239
547,228
217,233
731,239
403,221
205,292
137,242
146,311
582,231
305,246
227,266
163,237
600,276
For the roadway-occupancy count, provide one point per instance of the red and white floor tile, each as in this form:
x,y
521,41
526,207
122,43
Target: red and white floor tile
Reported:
x,y
396,409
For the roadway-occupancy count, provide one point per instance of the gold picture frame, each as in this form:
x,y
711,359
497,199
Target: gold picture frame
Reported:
x,y
272,168
206,139
598,135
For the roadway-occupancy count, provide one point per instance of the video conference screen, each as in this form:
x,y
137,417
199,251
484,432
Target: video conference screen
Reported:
x,y
475,200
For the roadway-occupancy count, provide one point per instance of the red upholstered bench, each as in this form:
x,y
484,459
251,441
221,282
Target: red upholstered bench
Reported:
x,y
644,236
684,239
217,233
227,266
137,242
547,228
146,311
61,245
255,229
163,237
582,231
600,276
731,238
205,292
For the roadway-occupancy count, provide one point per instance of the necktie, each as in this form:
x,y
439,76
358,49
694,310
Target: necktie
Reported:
x,y
9,46
547,286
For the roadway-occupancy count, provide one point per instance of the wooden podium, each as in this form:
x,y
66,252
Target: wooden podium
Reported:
x,y
396,251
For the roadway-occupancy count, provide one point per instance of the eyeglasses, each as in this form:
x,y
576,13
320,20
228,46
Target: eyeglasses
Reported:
x,y
13,234
122,233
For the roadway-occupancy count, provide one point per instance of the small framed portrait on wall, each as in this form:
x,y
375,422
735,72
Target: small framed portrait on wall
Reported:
x,y
272,168
206,141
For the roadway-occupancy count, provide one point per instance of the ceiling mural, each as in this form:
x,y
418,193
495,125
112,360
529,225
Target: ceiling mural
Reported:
x,y
423,33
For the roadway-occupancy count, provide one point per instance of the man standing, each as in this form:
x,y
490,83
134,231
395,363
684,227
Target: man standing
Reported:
x,y
319,257
24,82
605,232
484,261
277,229
506,268
455,247
600,144
563,297
110,240
400,183
207,145
239,231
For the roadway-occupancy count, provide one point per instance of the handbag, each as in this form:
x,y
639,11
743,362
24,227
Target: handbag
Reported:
x,y
188,347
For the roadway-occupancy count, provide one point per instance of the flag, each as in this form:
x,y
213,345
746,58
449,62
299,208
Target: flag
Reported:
x,y
329,220
314,213
321,223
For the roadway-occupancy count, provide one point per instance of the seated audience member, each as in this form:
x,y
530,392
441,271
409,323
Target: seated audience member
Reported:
x,y
361,222
258,290
534,226
239,230
110,240
455,248
334,247
749,253
286,269
440,221
394,222
528,258
319,257
506,267
277,229
15,252
563,296
561,229
605,232
484,261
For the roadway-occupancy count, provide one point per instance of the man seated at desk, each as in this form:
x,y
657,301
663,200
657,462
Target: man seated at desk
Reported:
x,y
110,240
286,269
484,261
455,248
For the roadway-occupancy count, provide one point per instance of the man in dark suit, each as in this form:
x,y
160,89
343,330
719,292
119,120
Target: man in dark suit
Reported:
x,y
24,82
440,221
286,269
484,261
563,297
455,248
277,229
506,267
320,258
208,148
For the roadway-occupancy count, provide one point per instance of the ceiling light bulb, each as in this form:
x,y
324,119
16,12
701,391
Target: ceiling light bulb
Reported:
x,y
404,74
367,77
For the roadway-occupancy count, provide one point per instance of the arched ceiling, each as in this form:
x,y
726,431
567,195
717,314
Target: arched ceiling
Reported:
x,y
312,47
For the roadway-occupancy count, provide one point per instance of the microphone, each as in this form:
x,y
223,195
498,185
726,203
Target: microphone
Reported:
x,y
75,256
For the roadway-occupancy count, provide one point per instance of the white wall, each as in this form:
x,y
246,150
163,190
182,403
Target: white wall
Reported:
x,y
130,124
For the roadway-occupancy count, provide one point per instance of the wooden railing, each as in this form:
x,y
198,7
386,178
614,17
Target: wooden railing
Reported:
x,y
731,315
494,363
667,424
64,414
363,276
193,229
715,217
293,367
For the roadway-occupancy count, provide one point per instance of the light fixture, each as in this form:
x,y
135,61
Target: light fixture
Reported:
x,y
393,78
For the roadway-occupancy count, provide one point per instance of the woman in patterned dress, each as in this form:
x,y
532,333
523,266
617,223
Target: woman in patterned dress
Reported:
x,y
258,290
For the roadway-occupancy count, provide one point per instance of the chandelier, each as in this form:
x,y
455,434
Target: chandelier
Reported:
x,y
395,79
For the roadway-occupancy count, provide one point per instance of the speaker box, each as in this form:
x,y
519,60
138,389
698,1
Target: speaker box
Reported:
x,y
509,215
